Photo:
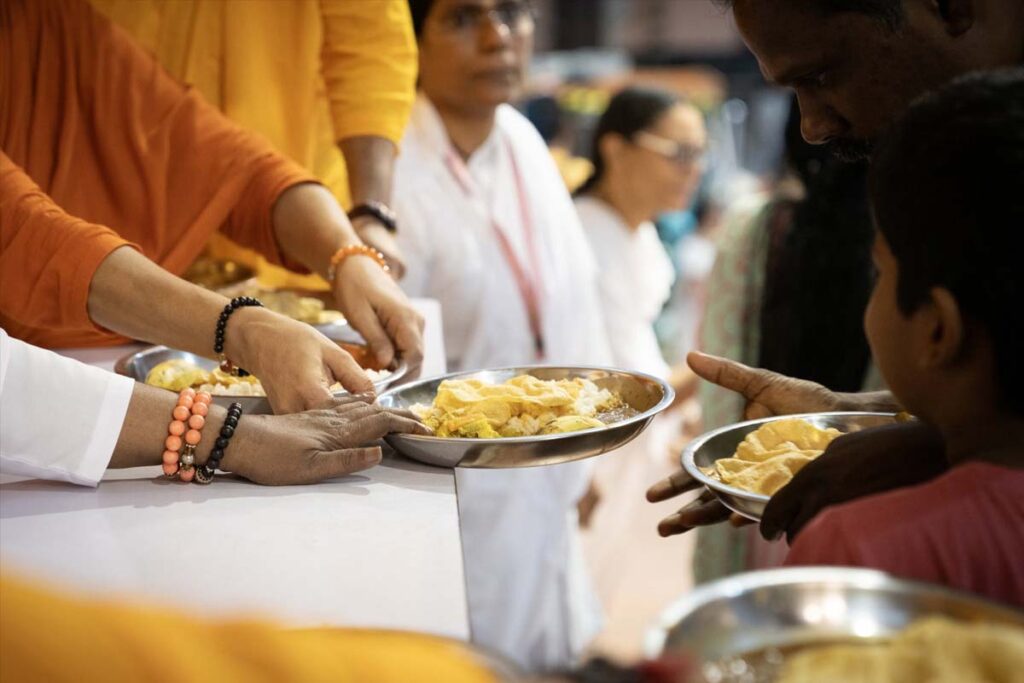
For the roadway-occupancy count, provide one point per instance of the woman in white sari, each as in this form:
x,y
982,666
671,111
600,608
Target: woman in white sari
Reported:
x,y
488,228
647,153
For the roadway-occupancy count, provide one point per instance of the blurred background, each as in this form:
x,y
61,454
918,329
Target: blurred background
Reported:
x,y
589,49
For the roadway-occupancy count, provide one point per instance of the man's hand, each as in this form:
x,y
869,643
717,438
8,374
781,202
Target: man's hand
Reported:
x,y
767,393
853,466
702,511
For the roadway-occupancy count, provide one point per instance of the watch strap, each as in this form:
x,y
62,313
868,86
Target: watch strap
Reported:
x,y
378,210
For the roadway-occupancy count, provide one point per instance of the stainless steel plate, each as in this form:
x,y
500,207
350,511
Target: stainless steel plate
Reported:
x,y
138,365
703,451
647,395
341,331
800,606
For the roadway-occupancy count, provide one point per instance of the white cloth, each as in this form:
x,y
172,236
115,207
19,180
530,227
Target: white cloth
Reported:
x,y
636,281
529,596
59,419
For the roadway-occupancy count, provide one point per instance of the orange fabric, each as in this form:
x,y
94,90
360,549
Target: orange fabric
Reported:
x,y
50,637
303,74
114,140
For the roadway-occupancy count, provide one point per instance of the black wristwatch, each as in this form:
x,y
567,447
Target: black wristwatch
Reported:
x,y
378,210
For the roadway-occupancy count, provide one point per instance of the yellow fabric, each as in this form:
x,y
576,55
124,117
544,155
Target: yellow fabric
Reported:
x,y
303,73
49,637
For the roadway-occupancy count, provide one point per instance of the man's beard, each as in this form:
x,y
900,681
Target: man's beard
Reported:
x,y
850,150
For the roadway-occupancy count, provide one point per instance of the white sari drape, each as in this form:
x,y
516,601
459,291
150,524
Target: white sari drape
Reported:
x,y
528,592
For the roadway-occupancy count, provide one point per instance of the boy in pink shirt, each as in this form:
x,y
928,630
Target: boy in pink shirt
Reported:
x,y
946,327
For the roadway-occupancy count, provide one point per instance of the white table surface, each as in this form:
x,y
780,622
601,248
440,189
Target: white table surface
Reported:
x,y
377,549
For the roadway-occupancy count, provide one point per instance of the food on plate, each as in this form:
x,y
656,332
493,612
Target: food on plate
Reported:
x,y
771,455
931,649
521,406
179,373
306,309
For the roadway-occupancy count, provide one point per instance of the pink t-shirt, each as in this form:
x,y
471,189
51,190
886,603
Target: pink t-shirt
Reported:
x,y
964,530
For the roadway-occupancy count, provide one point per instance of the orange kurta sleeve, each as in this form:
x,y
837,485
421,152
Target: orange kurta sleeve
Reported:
x,y
49,637
46,256
114,140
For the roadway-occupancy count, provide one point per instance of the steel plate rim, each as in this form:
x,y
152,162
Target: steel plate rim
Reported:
x,y
716,486
668,395
121,368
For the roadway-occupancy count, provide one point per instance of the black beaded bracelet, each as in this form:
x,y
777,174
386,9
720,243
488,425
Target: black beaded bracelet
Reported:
x,y
222,324
204,473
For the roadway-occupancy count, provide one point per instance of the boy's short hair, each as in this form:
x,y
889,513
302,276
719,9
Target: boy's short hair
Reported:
x,y
947,190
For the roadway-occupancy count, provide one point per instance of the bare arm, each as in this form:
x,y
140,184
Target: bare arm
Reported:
x,y
370,161
303,448
310,227
145,425
131,295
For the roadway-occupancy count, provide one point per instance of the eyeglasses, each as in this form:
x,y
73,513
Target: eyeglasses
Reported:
x,y
515,15
678,152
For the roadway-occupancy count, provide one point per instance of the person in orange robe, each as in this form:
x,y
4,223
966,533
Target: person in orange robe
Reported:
x,y
330,84
109,165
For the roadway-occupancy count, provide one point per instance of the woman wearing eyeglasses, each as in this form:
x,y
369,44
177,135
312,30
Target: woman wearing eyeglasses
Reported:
x,y
488,229
647,154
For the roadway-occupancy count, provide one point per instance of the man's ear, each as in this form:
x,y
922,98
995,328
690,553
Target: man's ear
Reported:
x,y
944,326
957,15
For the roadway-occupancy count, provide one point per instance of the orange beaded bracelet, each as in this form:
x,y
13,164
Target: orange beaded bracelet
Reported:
x,y
185,431
355,250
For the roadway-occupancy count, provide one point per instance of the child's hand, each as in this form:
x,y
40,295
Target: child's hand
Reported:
x,y
853,466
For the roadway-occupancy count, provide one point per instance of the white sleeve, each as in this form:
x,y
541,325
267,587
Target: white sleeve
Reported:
x,y
59,419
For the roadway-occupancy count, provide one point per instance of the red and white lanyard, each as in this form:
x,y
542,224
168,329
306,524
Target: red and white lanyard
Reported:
x,y
529,282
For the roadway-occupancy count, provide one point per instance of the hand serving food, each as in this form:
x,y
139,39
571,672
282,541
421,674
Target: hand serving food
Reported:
x,y
376,307
295,363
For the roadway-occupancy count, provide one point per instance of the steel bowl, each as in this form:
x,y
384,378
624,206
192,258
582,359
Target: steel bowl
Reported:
x,y
801,606
646,394
137,366
703,451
